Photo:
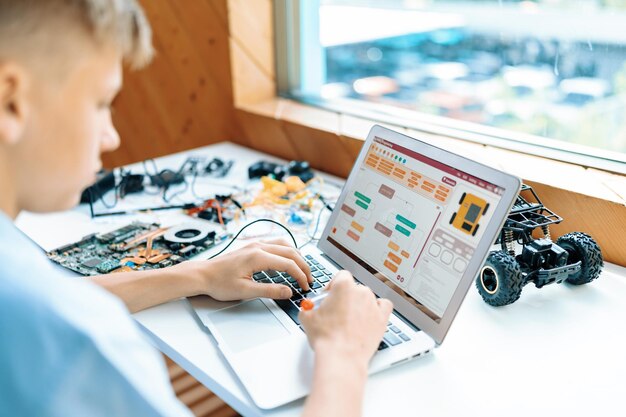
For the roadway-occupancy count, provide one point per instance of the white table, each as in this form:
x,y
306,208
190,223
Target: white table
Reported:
x,y
557,351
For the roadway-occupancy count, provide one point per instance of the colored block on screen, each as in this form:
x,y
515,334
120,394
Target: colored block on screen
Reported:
x,y
361,204
392,245
386,191
402,230
405,221
348,209
363,197
390,266
383,229
395,258
357,226
353,235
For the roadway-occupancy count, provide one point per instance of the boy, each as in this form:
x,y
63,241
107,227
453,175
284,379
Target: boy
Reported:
x,y
67,347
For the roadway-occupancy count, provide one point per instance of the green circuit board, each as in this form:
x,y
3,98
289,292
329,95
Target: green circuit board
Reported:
x,y
136,247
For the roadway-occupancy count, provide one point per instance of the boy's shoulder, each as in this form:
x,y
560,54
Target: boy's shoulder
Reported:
x,y
62,335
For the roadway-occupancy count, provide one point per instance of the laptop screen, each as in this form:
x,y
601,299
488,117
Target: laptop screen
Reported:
x,y
413,222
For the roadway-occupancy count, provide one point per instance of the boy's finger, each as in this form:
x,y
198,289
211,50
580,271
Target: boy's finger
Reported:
x,y
386,306
266,260
304,316
252,289
290,253
342,279
279,241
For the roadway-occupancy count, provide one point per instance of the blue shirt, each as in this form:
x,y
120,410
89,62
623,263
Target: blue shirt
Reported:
x,y
68,347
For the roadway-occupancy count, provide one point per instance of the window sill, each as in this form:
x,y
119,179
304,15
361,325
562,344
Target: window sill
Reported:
x,y
566,176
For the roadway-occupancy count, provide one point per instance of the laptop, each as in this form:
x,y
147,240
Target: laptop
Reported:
x,y
414,223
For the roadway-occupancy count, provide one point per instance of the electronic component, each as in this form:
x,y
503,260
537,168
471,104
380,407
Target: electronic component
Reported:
x,y
130,184
222,209
105,181
166,178
300,169
218,167
136,247
188,234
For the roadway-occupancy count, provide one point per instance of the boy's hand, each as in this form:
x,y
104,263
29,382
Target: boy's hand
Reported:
x,y
229,277
349,322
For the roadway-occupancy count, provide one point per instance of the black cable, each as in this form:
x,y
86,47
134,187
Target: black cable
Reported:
x,y
154,166
193,186
317,223
101,196
156,174
185,206
193,163
323,200
295,244
176,194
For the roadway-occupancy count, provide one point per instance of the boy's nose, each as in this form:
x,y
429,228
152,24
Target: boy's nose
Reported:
x,y
110,140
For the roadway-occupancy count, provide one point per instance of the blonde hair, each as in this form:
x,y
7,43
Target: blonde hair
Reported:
x,y
121,23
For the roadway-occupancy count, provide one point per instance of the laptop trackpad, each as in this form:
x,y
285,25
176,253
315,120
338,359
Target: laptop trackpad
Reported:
x,y
247,325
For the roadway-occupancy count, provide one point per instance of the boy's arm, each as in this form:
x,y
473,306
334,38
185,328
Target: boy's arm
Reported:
x,y
344,332
143,289
338,385
227,277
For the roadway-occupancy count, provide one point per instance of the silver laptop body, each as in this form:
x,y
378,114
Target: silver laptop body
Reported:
x,y
414,223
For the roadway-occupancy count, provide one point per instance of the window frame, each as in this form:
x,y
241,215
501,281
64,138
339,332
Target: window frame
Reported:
x,y
296,26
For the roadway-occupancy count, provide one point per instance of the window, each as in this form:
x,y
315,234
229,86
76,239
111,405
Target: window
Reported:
x,y
546,77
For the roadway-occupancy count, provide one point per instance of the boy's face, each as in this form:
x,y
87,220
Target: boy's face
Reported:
x,y
65,126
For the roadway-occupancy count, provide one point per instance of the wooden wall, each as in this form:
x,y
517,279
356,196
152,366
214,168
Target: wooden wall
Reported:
x,y
201,401
184,99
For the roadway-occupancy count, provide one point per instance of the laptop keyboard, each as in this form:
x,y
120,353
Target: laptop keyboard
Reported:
x,y
321,277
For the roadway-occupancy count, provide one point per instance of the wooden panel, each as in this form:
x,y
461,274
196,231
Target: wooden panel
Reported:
x,y
252,52
324,150
264,134
184,99
201,401
602,219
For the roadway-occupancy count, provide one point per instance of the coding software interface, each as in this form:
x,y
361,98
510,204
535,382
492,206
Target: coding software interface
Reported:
x,y
414,223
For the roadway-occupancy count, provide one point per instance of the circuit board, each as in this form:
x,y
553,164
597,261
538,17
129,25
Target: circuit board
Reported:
x,y
136,247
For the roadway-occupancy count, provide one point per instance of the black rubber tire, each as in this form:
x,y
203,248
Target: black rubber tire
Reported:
x,y
581,247
452,218
462,198
500,280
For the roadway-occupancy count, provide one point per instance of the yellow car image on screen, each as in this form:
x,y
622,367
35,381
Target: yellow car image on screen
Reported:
x,y
471,209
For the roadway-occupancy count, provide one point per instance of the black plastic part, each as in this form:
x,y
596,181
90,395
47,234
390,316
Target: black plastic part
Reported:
x,y
500,282
211,215
166,178
105,182
543,253
130,184
263,168
543,277
218,167
581,247
300,169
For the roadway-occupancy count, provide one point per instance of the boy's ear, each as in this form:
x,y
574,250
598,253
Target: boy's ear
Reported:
x,y
13,102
